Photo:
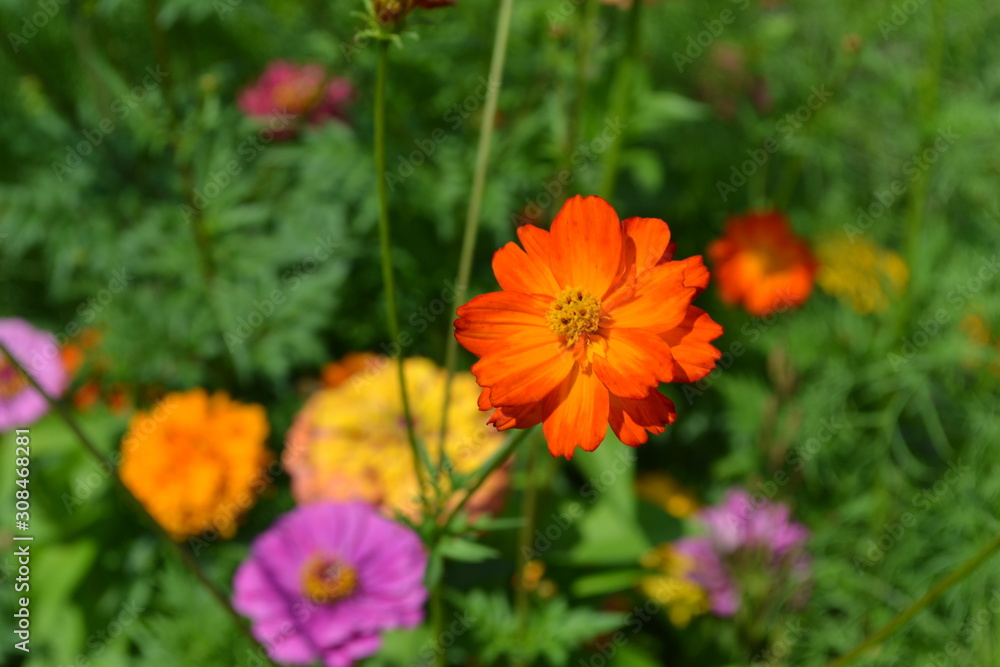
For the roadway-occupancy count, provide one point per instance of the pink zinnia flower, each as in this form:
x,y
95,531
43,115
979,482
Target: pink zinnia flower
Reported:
x,y
740,540
327,579
302,92
37,351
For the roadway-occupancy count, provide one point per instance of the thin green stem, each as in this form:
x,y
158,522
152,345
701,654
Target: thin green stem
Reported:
x,y
185,557
498,460
621,98
385,244
528,505
927,109
476,198
437,622
583,49
934,593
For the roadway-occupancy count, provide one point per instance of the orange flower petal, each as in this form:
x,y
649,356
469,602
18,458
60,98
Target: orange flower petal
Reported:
x,y
695,273
498,316
537,242
580,415
523,369
518,271
690,343
519,416
646,242
634,362
659,303
631,419
586,245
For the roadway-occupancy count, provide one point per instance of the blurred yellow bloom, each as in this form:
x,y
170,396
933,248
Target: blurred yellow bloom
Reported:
x,y
669,586
861,274
660,489
349,441
196,462
978,333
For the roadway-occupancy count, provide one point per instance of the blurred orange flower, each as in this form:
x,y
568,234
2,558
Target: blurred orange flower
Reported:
x,y
337,373
761,264
593,316
196,462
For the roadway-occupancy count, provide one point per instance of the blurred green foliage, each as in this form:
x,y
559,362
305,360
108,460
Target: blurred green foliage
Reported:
x,y
860,416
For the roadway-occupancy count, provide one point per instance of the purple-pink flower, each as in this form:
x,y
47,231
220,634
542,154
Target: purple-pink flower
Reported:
x,y
37,351
287,94
327,579
744,541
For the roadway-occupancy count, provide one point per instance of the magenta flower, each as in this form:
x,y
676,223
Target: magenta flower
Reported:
x,y
327,579
287,94
37,351
745,543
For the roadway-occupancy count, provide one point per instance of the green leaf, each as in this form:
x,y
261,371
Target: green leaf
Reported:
x,y
466,551
603,583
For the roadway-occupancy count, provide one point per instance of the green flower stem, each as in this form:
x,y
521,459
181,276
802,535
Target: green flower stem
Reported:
x,y
476,199
584,47
183,554
385,243
934,593
621,98
528,504
498,460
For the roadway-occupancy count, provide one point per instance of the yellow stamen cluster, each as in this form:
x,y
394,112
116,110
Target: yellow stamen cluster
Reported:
x,y
327,579
573,313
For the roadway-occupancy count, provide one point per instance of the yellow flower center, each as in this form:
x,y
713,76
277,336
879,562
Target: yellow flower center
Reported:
x,y
12,382
574,312
327,579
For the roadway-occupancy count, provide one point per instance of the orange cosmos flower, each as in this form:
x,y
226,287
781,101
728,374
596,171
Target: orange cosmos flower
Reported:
x,y
593,316
761,264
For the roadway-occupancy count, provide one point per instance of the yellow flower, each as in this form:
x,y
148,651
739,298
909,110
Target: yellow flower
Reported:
x,y
196,462
670,587
861,274
349,441
979,335
662,490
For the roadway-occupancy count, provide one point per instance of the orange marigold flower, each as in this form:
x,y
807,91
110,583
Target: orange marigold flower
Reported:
x,y
196,461
593,316
761,264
